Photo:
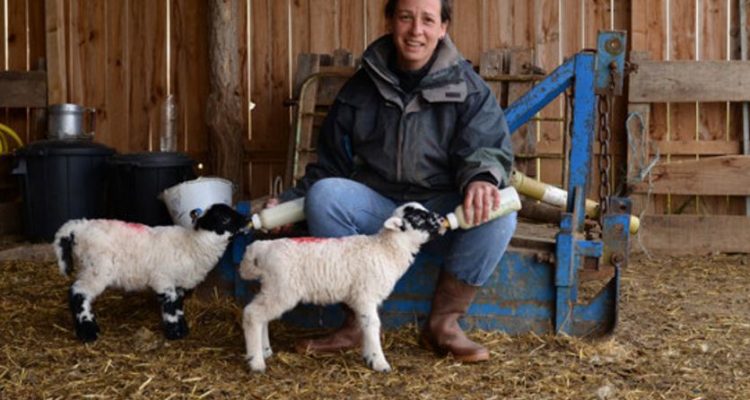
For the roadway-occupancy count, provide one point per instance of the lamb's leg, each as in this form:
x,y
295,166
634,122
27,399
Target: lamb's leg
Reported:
x,y
80,299
172,314
255,320
372,351
267,350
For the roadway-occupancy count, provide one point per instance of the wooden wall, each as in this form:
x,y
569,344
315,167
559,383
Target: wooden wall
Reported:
x,y
22,44
554,29
684,132
125,57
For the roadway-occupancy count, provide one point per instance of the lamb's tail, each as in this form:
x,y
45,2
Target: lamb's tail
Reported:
x,y
64,241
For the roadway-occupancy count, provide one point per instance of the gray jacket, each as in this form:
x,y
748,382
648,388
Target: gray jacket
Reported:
x,y
413,146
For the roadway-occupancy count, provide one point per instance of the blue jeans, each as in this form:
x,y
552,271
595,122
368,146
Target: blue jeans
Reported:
x,y
336,207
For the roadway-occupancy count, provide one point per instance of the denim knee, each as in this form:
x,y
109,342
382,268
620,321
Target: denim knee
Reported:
x,y
475,253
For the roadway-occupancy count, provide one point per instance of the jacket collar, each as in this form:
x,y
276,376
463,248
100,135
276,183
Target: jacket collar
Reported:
x,y
443,82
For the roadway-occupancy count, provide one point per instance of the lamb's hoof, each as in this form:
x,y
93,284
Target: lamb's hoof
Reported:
x,y
177,330
379,365
256,364
87,331
267,352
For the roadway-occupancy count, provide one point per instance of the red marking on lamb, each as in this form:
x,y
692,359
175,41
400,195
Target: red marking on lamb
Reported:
x,y
309,239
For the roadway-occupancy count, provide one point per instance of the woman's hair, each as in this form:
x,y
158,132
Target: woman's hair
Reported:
x,y
446,9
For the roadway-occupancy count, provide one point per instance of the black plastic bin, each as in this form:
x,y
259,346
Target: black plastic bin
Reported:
x,y
61,180
136,181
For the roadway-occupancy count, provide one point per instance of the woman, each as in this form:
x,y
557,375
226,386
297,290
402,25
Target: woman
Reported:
x,y
415,123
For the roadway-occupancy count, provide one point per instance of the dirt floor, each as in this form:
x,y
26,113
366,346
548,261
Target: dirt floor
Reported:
x,y
684,333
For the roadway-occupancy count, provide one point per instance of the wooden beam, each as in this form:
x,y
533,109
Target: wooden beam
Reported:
x,y
719,176
701,147
226,112
690,81
694,234
23,89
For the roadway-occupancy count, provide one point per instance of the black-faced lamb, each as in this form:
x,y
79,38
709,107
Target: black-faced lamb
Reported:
x,y
168,259
360,271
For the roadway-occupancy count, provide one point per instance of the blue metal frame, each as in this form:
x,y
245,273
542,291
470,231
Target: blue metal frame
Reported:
x,y
530,290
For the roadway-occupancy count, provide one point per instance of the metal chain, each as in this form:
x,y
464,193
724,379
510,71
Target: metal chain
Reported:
x,y
605,135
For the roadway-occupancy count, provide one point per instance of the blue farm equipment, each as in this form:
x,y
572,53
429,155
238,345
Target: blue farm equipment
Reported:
x,y
537,285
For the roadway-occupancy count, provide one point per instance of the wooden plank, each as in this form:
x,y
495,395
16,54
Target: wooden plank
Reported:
x,y
147,72
23,89
525,138
87,55
547,49
375,22
17,59
466,29
115,124
690,81
725,175
352,34
190,72
691,147
499,21
38,61
324,13
694,234
74,43
57,82
2,40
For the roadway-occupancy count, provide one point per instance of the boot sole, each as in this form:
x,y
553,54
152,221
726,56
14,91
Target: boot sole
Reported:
x,y
442,352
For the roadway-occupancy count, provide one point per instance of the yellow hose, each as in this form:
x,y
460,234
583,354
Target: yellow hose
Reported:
x,y
7,131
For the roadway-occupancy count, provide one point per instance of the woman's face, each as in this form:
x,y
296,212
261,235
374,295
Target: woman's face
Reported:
x,y
416,28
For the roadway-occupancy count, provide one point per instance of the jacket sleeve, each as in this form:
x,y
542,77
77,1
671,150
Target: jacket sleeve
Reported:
x,y
482,143
333,151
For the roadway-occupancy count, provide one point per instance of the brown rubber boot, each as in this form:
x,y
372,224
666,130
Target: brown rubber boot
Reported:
x,y
348,336
441,332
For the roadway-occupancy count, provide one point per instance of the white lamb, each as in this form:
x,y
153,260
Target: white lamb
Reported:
x,y
168,259
359,270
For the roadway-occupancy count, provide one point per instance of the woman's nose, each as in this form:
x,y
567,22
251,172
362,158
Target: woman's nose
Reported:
x,y
416,27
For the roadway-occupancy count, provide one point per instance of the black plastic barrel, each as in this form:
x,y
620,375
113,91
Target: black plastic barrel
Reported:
x,y
136,181
61,180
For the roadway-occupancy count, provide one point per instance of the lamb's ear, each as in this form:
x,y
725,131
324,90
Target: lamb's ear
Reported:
x,y
393,223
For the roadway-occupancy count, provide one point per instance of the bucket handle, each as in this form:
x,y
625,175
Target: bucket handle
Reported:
x,y
92,120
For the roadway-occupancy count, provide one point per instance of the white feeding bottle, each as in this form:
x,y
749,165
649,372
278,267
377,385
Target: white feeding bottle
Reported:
x,y
509,202
283,214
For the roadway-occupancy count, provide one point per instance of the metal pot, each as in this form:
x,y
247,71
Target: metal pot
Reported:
x,y
68,121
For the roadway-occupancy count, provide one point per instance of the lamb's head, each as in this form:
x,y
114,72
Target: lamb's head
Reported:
x,y
220,218
414,217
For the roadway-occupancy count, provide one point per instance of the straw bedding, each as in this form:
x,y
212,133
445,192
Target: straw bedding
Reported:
x,y
684,333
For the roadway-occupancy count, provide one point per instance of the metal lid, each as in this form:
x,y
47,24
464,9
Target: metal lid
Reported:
x,y
64,147
153,159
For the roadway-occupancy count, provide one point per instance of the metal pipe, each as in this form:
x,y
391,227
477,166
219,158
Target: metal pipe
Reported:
x,y
555,196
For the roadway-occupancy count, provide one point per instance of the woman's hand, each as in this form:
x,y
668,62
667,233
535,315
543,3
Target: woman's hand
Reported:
x,y
481,198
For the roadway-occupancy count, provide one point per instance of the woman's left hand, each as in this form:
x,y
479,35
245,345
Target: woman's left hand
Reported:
x,y
481,197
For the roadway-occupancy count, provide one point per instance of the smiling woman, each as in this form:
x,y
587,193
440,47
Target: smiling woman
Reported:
x,y
417,27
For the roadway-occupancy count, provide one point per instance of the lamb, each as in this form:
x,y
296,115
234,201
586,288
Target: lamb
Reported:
x,y
359,270
168,259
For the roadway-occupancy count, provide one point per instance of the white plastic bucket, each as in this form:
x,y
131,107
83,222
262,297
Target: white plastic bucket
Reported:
x,y
198,193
